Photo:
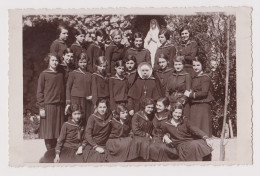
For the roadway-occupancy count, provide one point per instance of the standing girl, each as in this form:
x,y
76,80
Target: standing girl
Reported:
x,y
100,81
118,86
97,132
59,45
67,64
69,145
166,48
178,83
50,100
78,89
115,51
141,54
95,50
201,97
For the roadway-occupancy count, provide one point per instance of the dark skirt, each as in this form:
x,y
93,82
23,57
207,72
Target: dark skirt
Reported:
x,y
86,106
90,155
193,150
67,155
51,124
200,116
139,148
118,149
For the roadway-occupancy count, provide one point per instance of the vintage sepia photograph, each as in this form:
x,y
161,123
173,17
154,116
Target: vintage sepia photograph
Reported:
x,y
130,87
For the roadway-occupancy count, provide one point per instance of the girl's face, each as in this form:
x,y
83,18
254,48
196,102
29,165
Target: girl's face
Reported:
x,y
80,38
120,70
130,65
102,108
160,107
138,42
123,115
117,39
149,109
162,39
145,71
197,67
76,115
53,63
185,35
68,57
178,66
162,63
176,114
82,64
101,68
64,34
100,39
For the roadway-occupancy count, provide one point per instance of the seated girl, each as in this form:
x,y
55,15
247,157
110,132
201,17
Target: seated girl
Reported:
x,y
69,145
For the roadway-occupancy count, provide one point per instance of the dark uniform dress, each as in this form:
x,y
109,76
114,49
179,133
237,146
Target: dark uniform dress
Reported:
x,y
201,97
189,50
93,52
167,49
69,141
57,47
118,91
177,84
158,150
142,128
51,97
163,76
119,142
141,55
114,53
96,135
100,87
188,139
77,49
77,89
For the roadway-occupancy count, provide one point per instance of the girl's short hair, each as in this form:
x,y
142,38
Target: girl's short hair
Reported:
x,y
186,28
100,33
165,101
179,59
67,50
100,60
60,27
164,56
176,106
120,63
83,56
119,108
74,107
202,59
138,35
115,32
101,100
130,57
48,57
166,33
78,31
146,101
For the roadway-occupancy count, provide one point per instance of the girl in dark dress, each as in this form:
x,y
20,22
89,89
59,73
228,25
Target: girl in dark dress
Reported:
x,y
192,144
178,83
166,48
50,100
67,64
115,51
97,132
119,142
69,145
100,81
201,97
78,89
130,65
95,50
118,86
59,45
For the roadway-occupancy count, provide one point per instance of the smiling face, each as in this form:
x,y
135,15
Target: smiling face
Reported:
x,y
197,67
160,107
64,34
162,39
102,108
149,109
117,39
138,42
68,57
53,62
130,65
185,35
100,39
76,115
82,64
80,38
123,115
120,70
101,68
162,63
178,66
176,114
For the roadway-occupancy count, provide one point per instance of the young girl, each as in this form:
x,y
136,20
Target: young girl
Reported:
x,y
119,142
78,89
201,97
115,51
163,72
141,54
192,144
97,132
67,63
95,50
188,48
69,148
166,48
130,65
144,86
178,83
118,86
77,47
59,45
50,100
100,81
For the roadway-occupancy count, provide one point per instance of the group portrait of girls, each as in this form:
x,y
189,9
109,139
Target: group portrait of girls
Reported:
x,y
146,102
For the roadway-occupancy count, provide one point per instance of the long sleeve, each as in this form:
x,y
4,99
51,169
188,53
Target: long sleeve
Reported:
x,y
193,52
90,55
188,82
54,48
108,56
61,139
195,130
69,87
89,133
137,130
94,90
197,95
40,91
111,94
